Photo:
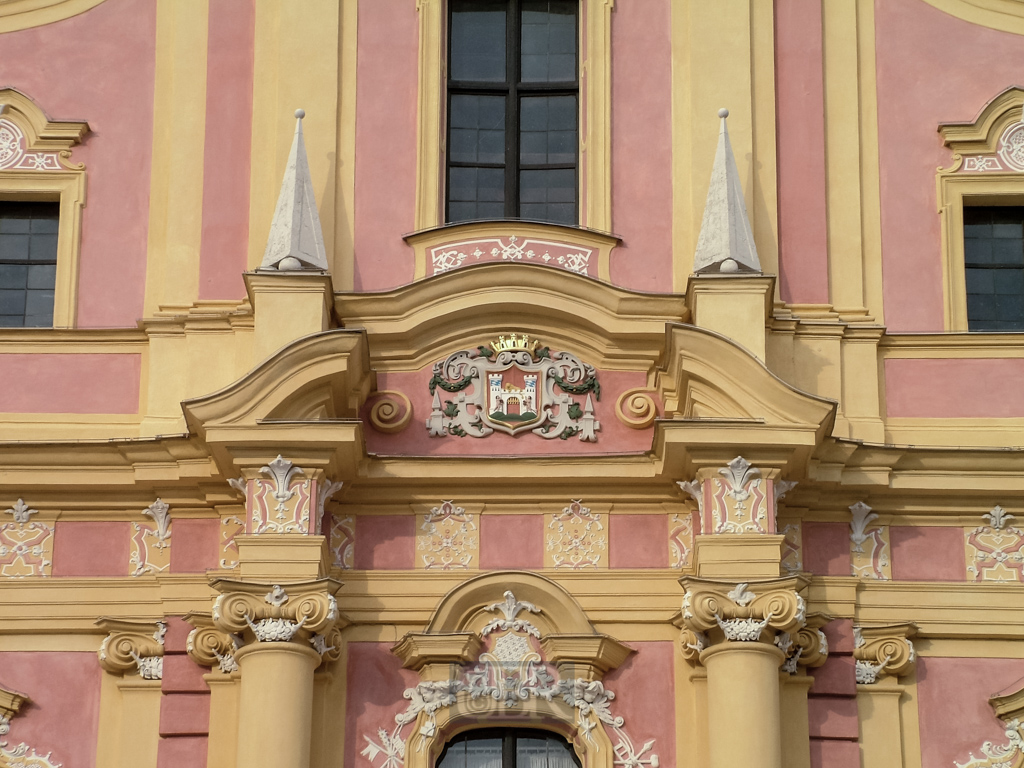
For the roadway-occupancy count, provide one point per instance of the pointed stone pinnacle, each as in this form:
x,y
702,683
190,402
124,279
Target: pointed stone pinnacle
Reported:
x,y
726,242
296,239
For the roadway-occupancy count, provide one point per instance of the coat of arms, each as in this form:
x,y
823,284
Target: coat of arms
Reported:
x,y
513,386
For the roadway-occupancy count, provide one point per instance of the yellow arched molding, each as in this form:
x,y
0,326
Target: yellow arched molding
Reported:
x,y
428,319
23,14
595,113
57,179
1004,15
966,181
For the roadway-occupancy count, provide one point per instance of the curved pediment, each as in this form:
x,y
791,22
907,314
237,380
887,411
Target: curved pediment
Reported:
x,y
320,377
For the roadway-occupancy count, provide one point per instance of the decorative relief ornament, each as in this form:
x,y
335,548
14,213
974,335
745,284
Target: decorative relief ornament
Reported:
x,y
738,500
229,528
14,153
282,504
26,546
131,645
712,612
792,548
326,489
448,538
1009,754
514,386
807,647
342,542
636,408
884,650
509,669
151,543
869,545
279,616
211,647
23,756
995,552
576,539
449,256
680,539
392,411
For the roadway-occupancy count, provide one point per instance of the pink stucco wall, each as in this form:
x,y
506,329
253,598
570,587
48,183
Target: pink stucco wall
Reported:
x,y
109,83
93,548
645,699
72,383
414,440
195,545
918,88
642,145
826,548
385,142
803,234
950,388
375,683
385,542
637,541
949,732
229,72
927,553
62,715
511,541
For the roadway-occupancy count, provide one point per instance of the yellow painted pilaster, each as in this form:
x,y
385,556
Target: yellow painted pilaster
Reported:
x,y
296,65
851,146
223,740
179,135
881,735
861,401
276,678
796,733
743,687
343,263
129,731
723,55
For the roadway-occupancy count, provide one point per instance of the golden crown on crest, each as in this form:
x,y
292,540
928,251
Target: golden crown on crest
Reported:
x,y
514,342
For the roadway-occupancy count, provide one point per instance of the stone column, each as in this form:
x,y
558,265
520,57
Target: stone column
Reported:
x,y
733,630
287,633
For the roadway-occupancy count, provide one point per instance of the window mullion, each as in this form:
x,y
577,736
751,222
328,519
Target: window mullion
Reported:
x,y
512,42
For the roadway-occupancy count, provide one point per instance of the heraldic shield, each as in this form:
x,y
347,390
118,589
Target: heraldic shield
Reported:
x,y
514,385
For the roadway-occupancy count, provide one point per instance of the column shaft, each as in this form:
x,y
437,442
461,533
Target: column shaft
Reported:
x,y
276,706
744,724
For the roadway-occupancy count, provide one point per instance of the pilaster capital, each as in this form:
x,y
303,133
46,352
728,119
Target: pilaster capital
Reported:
x,y
302,612
808,646
714,612
210,646
883,650
132,646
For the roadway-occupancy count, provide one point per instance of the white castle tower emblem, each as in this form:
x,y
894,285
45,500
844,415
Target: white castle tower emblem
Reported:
x,y
512,401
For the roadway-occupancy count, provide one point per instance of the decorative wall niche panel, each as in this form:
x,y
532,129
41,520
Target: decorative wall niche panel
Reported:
x,y
995,551
447,539
26,546
283,502
576,538
151,542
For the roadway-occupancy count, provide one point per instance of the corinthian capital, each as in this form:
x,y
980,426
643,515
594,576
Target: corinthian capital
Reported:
x,y
133,645
716,611
302,612
882,651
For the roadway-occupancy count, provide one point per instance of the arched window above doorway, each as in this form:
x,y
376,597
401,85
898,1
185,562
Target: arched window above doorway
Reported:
x,y
508,748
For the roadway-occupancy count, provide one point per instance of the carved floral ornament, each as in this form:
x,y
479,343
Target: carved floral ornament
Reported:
x,y
1009,708
19,755
286,499
509,664
513,386
737,499
768,612
304,612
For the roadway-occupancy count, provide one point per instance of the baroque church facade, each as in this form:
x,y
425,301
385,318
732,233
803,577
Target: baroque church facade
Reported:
x,y
511,383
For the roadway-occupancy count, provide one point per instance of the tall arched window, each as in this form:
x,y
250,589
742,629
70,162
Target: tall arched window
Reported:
x,y
508,748
513,110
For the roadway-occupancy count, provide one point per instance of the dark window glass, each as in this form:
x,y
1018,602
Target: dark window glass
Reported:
x,y
513,110
508,748
28,263
994,268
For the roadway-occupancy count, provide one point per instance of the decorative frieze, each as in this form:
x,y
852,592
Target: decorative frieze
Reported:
x,y
151,542
869,545
995,551
569,256
133,646
448,538
26,545
576,539
883,650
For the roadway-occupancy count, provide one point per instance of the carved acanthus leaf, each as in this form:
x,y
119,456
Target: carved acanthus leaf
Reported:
x,y
21,512
281,472
161,513
862,515
511,608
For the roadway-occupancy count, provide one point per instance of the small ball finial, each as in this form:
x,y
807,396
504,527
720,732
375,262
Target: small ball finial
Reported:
x,y
723,112
300,113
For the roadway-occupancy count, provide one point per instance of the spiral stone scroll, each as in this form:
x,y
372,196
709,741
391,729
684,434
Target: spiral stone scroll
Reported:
x,y
636,408
130,644
392,412
884,650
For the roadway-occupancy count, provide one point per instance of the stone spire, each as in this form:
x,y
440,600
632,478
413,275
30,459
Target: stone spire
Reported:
x,y
296,240
726,242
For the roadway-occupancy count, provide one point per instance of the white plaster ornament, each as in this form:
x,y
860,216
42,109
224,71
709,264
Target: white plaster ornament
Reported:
x,y
862,515
514,386
21,512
